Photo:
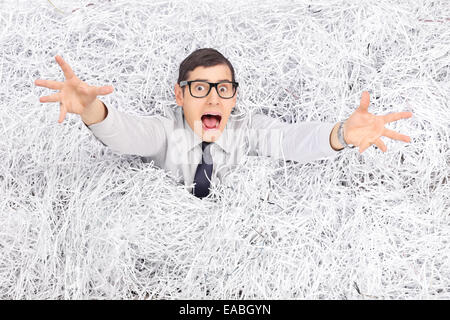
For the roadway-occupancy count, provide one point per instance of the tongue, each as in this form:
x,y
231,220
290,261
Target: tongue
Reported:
x,y
210,122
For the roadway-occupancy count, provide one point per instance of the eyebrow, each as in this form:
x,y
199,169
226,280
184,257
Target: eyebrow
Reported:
x,y
208,80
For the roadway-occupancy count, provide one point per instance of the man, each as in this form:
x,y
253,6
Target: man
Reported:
x,y
201,142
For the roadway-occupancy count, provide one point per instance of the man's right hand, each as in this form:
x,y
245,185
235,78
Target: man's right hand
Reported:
x,y
74,96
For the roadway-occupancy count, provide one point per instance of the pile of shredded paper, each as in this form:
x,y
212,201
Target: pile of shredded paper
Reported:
x,y
78,221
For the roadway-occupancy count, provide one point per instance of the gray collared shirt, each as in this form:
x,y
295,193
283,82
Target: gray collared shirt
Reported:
x,y
170,142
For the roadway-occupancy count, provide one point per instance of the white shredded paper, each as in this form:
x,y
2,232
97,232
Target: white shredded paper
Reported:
x,y
78,221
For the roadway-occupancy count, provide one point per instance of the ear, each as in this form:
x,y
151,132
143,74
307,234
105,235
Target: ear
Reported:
x,y
235,97
179,95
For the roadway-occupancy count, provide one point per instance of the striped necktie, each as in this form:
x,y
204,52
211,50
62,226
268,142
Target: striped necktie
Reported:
x,y
203,174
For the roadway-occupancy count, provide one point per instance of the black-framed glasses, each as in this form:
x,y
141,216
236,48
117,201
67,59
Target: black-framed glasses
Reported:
x,y
200,89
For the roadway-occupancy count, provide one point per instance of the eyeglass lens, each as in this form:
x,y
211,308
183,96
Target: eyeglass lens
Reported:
x,y
201,89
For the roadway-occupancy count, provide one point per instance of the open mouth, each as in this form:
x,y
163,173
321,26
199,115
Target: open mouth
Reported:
x,y
211,121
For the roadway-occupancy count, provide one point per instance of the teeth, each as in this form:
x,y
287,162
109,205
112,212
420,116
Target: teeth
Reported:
x,y
212,114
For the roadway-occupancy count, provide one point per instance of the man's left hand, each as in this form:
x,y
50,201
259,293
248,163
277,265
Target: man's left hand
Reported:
x,y
362,129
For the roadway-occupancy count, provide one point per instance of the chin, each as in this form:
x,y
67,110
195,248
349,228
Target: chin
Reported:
x,y
211,135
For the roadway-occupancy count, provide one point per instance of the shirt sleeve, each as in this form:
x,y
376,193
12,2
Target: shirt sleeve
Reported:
x,y
302,142
129,134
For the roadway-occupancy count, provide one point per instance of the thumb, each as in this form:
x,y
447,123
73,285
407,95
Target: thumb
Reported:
x,y
102,91
365,101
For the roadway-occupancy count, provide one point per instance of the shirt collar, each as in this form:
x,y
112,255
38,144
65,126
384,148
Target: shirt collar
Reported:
x,y
194,140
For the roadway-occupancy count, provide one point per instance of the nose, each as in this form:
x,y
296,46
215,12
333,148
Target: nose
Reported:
x,y
213,97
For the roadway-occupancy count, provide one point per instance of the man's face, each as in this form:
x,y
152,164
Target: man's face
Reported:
x,y
195,108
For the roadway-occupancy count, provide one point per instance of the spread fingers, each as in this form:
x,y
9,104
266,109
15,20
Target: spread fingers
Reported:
x,y
391,117
52,98
364,145
68,73
395,135
62,113
102,91
380,144
55,85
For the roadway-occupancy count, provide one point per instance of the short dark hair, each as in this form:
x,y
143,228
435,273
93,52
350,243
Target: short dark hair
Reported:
x,y
205,57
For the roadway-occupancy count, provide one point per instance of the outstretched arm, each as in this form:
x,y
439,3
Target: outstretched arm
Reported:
x,y
123,133
362,129
76,96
